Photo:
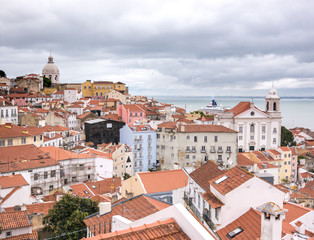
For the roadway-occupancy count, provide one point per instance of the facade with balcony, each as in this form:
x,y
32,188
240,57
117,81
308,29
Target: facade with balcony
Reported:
x,y
142,139
193,145
8,112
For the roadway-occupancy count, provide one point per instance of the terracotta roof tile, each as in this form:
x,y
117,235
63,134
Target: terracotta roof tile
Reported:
x,y
12,181
212,200
11,220
35,208
28,236
250,222
204,128
294,211
61,154
133,108
240,108
163,181
167,229
23,157
169,125
235,177
205,173
244,161
132,209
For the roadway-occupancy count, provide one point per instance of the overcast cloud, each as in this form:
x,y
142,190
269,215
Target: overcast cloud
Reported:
x,y
211,47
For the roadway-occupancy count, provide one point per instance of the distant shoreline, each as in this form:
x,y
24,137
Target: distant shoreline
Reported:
x,y
286,97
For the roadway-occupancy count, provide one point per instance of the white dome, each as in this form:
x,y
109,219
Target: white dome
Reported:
x,y
50,67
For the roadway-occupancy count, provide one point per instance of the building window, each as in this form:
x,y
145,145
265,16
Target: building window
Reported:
x,y
193,149
50,187
252,137
263,129
240,129
187,149
252,128
216,138
23,140
212,149
36,176
10,142
45,175
53,173
205,138
275,130
219,149
228,149
203,149
8,234
2,143
195,138
274,140
240,137
263,137
188,137
187,156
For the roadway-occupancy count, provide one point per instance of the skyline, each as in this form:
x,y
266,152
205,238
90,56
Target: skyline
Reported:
x,y
208,48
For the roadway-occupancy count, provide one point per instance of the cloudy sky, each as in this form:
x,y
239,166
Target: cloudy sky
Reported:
x,y
211,47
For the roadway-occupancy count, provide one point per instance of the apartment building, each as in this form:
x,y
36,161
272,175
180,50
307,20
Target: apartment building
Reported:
x,y
142,139
193,145
8,112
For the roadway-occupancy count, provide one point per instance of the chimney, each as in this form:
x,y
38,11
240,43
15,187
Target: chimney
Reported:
x,y
271,221
23,207
104,207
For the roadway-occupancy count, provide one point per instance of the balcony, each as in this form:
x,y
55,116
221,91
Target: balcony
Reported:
x,y
189,202
187,150
206,218
219,151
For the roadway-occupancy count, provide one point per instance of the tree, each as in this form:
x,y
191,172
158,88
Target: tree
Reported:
x,y
2,74
126,176
287,138
65,219
47,82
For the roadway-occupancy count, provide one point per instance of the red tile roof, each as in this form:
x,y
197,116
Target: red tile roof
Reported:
x,y
133,108
35,208
132,209
204,128
61,154
244,161
28,236
235,177
212,200
205,173
12,181
167,229
163,181
250,222
23,157
240,108
294,211
11,220
169,125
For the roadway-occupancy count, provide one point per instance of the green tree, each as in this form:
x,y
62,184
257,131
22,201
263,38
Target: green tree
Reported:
x,y
126,176
65,219
287,138
2,74
47,82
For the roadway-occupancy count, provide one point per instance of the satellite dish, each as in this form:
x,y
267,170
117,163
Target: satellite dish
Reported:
x,y
230,161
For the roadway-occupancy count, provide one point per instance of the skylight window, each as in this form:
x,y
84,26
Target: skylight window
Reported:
x,y
86,192
93,186
223,178
234,233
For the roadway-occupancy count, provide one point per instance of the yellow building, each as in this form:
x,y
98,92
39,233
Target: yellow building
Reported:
x,y
64,86
286,156
99,88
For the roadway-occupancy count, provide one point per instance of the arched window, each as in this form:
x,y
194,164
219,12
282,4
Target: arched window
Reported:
x,y
252,128
267,106
50,77
275,106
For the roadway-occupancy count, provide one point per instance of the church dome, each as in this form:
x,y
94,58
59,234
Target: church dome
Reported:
x,y
51,71
50,67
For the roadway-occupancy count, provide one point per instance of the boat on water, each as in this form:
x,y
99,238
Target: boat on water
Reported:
x,y
213,108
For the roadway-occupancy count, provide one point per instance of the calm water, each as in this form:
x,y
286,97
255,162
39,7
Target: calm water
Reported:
x,y
296,112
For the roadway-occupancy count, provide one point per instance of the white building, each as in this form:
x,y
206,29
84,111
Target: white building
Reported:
x,y
219,199
194,144
8,112
71,95
258,130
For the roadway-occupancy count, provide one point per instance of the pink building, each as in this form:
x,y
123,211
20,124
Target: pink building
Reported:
x,y
131,114
294,164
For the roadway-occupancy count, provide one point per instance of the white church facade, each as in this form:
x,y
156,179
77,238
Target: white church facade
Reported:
x,y
257,129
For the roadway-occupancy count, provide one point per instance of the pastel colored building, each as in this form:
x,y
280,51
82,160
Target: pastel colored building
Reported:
x,y
142,139
131,114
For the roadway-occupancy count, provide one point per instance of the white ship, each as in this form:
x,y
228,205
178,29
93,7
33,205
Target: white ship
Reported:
x,y
213,108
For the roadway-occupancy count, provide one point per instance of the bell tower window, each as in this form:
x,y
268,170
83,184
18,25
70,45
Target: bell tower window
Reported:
x,y
267,106
275,106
